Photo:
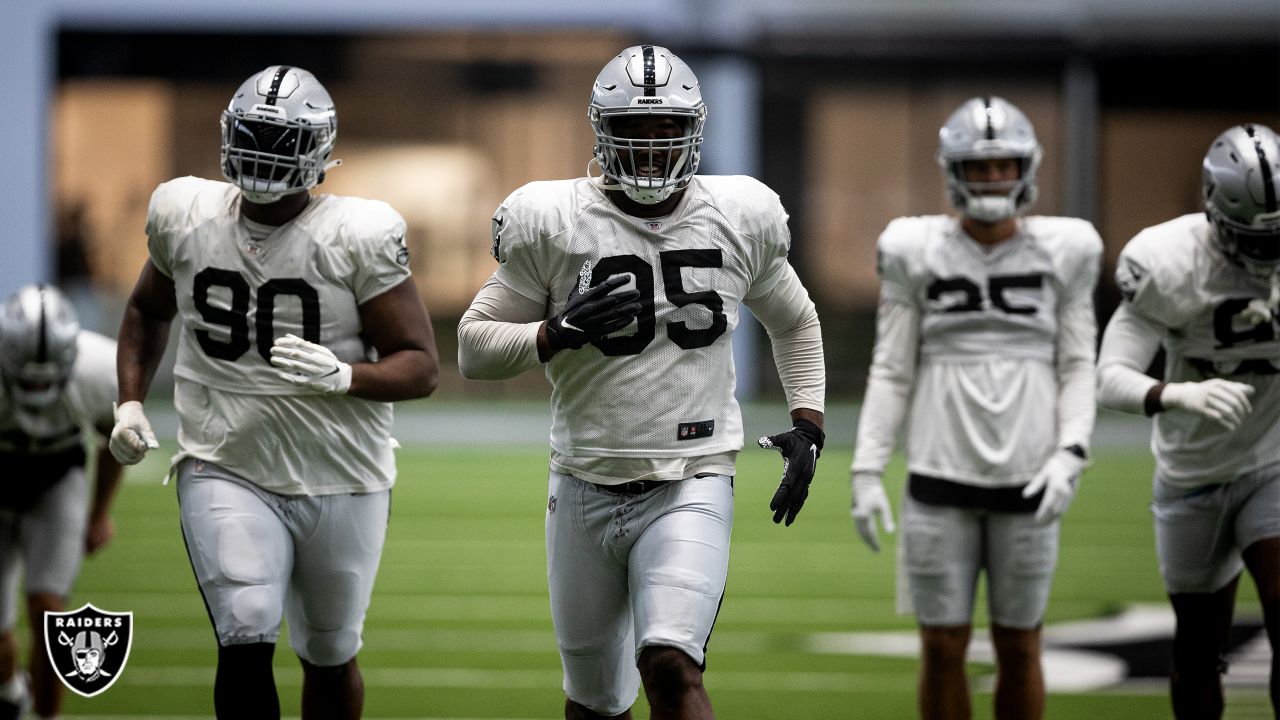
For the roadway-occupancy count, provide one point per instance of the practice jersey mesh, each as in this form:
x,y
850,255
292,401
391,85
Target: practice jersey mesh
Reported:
x,y
663,386
235,296
1174,275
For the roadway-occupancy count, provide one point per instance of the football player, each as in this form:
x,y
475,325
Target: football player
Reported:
x,y
626,286
57,383
299,323
1206,287
985,347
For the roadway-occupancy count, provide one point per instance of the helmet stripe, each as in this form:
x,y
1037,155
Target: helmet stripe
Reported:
x,y
273,94
650,71
42,345
1268,182
986,106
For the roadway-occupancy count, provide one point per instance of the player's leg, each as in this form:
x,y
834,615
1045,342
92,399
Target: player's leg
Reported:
x,y
1203,628
13,689
52,542
590,601
677,571
241,554
942,553
1258,530
338,543
1195,545
1021,557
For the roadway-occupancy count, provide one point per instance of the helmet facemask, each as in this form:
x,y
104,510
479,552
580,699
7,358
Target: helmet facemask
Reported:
x,y
278,134
992,202
647,170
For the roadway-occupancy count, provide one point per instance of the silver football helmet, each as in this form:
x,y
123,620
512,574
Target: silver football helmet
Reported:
x,y
38,329
278,133
985,128
647,80
1242,196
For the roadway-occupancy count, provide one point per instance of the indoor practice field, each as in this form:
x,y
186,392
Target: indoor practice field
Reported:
x,y
460,625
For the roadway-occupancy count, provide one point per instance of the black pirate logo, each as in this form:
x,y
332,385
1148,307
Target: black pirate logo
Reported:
x,y
89,647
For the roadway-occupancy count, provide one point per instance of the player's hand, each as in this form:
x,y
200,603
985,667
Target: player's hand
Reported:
x,y
1222,401
310,365
869,501
801,446
592,312
1058,481
132,436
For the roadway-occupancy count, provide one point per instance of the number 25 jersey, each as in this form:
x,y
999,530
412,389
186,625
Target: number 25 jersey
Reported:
x,y
236,296
996,322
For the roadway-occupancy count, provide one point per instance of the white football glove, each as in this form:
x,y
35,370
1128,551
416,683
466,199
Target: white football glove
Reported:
x,y
310,365
1058,480
869,501
1223,401
132,436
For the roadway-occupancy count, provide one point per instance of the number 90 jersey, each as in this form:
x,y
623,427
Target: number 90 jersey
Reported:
x,y
1175,275
663,386
235,296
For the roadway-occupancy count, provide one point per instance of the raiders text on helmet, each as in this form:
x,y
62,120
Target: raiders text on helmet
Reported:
x,y
38,329
986,128
647,80
278,133
1241,184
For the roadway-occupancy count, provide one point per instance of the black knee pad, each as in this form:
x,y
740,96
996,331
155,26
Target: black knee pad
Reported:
x,y
1191,664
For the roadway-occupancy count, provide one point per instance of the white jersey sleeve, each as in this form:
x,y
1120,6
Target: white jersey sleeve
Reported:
x,y
92,389
1174,278
236,294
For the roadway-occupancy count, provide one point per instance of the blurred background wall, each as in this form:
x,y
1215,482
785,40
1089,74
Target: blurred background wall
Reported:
x,y
443,110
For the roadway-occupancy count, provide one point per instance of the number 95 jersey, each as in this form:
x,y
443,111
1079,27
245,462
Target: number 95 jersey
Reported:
x,y
663,386
236,295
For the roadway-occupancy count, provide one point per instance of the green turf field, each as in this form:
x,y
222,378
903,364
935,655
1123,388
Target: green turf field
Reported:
x,y
459,626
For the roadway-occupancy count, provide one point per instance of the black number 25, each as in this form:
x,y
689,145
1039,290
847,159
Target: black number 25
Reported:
x,y
679,332
236,318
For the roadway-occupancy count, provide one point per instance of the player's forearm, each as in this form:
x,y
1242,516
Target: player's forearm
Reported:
x,y
140,346
107,474
1129,345
494,350
889,384
402,375
1077,404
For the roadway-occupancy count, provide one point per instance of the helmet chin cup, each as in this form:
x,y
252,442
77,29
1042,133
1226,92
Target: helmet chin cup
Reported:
x,y
648,196
261,198
990,208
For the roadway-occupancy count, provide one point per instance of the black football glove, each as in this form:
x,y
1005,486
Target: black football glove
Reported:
x,y
592,312
801,446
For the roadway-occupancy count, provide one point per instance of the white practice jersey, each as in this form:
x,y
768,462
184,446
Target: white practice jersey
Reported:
x,y
986,407
82,411
1174,275
663,386
235,296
